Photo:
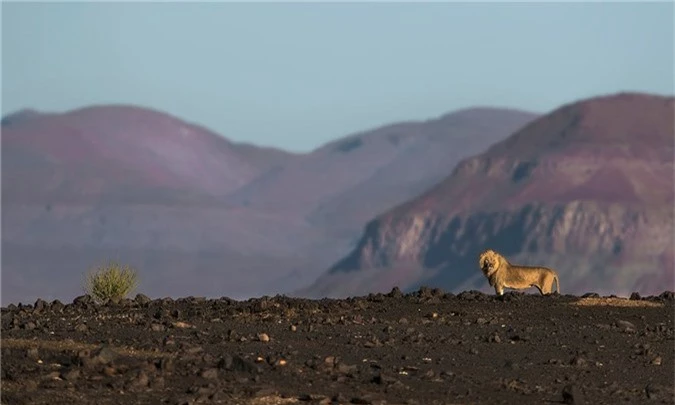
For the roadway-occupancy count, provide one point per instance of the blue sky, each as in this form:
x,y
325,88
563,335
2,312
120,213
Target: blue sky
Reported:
x,y
297,75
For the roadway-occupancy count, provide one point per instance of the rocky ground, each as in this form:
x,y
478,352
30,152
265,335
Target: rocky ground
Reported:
x,y
421,348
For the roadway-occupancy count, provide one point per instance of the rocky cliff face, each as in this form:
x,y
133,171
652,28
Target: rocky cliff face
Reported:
x,y
587,189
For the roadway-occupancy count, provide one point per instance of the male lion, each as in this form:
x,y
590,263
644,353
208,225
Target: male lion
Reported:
x,y
502,274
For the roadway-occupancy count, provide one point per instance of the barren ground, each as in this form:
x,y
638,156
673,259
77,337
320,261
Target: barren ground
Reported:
x,y
421,348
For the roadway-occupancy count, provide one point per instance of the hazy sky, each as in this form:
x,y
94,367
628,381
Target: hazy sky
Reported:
x,y
297,75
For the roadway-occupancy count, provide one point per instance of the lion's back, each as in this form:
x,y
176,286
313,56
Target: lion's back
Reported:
x,y
523,276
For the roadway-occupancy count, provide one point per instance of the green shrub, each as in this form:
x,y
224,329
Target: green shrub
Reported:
x,y
112,281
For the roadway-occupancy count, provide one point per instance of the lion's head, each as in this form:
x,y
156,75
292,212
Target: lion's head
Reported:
x,y
490,261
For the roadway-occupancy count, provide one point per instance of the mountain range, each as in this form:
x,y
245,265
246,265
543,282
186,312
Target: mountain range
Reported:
x,y
198,214
586,189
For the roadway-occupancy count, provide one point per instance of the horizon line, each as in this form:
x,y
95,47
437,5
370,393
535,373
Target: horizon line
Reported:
x,y
484,106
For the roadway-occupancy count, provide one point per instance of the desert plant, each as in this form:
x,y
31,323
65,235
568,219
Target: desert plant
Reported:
x,y
111,281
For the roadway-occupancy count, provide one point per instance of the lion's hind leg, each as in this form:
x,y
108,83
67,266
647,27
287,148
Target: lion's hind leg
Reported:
x,y
547,284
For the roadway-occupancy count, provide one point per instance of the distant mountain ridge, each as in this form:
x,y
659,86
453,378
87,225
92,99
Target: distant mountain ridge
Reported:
x,y
394,162
431,155
587,189
189,207
134,150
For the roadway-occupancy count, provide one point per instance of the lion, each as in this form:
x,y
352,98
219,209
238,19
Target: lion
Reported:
x,y
502,274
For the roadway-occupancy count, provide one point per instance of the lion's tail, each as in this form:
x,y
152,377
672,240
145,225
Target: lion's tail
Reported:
x,y
557,284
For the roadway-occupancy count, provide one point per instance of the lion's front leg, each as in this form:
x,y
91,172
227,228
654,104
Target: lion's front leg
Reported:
x,y
499,290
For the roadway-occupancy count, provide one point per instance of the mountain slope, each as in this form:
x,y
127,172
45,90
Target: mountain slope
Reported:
x,y
430,157
135,185
381,167
587,189
264,158
107,151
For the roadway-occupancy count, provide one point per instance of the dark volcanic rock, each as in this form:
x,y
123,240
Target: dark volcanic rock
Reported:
x,y
142,299
425,347
237,364
83,300
572,395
